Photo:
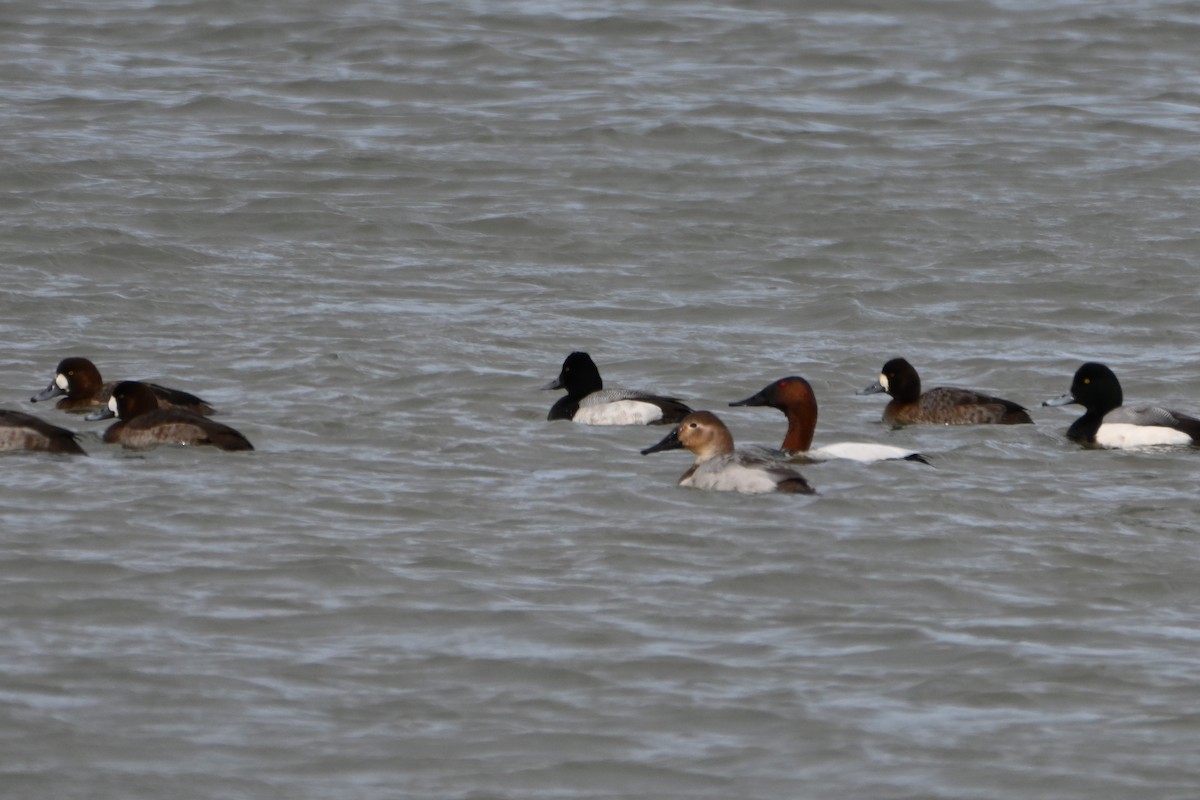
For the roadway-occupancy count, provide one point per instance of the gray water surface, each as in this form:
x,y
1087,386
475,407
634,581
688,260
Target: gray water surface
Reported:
x,y
368,232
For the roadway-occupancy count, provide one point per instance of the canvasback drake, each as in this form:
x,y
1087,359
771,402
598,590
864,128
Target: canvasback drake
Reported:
x,y
21,431
143,423
945,405
719,467
1108,423
589,403
795,398
85,390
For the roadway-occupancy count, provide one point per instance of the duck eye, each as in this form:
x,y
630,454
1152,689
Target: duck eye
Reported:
x,y
1086,381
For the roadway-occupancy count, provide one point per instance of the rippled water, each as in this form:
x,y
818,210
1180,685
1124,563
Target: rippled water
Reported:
x,y
370,231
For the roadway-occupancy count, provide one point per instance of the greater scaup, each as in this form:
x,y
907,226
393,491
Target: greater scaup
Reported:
x,y
1108,423
144,424
21,431
945,405
720,467
589,403
85,390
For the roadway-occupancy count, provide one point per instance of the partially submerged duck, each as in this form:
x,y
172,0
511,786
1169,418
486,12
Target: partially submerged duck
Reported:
x,y
21,431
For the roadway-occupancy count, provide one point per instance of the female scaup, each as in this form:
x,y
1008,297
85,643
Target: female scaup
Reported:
x,y
1108,423
21,431
589,403
85,390
945,405
143,423
720,467
795,398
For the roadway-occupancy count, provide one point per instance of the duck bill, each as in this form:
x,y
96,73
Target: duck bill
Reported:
x,y
669,442
53,390
754,400
874,388
101,413
1061,400
554,384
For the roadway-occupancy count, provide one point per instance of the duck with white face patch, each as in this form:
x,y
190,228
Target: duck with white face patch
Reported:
x,y
85,391
944,405
143,423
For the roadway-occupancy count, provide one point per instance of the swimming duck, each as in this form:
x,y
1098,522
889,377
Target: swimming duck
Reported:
x,y
945,405
85,390
1108,423
795,398
720,467
21,431
143,423
589,403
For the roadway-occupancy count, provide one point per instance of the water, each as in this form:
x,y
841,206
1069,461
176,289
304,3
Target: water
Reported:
x,y
368,232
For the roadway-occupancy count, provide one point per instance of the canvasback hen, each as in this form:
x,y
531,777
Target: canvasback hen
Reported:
x,y
1109,424
794,396
589,403
143,423
944,405
21,431
85,390
720,467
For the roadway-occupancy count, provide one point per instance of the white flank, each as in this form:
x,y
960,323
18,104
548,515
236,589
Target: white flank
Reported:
x,y
1123,436
859,451
622,412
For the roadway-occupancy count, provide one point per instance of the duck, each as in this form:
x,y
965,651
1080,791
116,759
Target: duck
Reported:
x,y
719,466
589,403
794,396
21,431
944,405
86,391
1107,423
144,423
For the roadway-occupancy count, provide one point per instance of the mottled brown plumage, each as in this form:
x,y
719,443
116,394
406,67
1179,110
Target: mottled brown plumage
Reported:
x,y
21,431
144,424
945,405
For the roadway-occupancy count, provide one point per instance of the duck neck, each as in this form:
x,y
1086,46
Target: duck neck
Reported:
x,y
802,423
1085,428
